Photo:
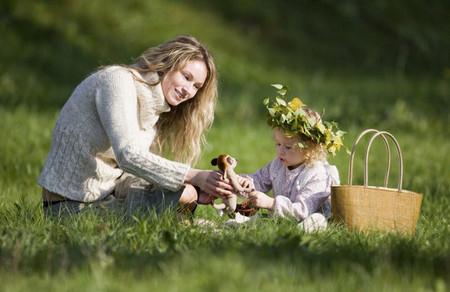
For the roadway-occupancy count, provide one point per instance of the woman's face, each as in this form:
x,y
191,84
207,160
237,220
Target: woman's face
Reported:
x,y
182,84
287,150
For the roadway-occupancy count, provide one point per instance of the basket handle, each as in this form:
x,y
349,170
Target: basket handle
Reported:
x,y
399,152
352,156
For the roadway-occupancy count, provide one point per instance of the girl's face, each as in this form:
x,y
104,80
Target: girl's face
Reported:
x,y
182,84
287,150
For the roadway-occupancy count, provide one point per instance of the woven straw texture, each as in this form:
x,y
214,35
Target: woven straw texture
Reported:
x,y
365,208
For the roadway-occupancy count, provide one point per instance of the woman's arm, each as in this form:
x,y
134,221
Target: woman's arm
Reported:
x,y
211,182
116,102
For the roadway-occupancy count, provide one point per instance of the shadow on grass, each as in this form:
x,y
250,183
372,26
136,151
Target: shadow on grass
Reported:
x,y
153,243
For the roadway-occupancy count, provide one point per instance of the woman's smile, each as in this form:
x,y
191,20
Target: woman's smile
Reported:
x,y
182,84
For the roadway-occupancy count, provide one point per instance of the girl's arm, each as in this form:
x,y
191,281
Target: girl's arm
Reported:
x,y
261,182
261,200
310,196
311,191
261,179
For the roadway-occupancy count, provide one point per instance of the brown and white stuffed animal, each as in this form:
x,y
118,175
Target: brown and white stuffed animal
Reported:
x,y
226,163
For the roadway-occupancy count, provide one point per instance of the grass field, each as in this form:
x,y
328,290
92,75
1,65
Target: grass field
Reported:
x,y
51,47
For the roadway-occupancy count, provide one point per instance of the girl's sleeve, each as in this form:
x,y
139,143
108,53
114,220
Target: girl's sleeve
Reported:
x,y
261,179
116,102
311,193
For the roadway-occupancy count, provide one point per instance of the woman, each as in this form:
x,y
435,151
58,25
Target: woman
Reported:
x,y
111,132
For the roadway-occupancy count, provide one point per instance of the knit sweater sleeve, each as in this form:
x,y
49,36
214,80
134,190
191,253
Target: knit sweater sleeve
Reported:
x,y
117,104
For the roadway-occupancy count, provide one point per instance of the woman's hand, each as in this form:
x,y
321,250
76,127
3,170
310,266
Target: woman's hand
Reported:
x,y
261,200
210,182
205,199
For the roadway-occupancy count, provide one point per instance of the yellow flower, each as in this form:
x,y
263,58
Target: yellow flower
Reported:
x,y
327,135
332,149
338,142
296,103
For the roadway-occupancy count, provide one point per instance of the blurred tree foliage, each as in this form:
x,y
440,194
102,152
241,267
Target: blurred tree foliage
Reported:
x,y
344,56
406,36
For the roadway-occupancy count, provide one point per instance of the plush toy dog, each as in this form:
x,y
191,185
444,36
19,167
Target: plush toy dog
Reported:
x,y
226,163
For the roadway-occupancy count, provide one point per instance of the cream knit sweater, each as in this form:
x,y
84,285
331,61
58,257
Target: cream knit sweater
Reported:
x,y
105,128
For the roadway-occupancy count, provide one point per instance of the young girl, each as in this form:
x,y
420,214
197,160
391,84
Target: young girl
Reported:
x,y
300,176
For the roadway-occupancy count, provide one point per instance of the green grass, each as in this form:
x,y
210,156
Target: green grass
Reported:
x,y
107,251
51,46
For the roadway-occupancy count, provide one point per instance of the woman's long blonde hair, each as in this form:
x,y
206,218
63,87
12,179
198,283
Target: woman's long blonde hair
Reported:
x,y
182,130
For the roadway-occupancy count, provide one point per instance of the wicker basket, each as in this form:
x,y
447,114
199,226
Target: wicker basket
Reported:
x,y
376,208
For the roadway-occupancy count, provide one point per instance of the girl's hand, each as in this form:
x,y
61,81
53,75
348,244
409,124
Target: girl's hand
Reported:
x,y
261,200
246,183
210,182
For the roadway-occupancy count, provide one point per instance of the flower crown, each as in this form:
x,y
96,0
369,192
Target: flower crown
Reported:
x,y
294,118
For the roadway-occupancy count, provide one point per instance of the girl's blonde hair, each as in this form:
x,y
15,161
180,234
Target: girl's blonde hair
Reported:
x,y
313,152
182,130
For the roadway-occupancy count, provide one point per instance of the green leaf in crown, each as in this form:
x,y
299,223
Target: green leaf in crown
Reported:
x,y
294,118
